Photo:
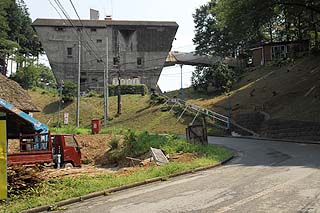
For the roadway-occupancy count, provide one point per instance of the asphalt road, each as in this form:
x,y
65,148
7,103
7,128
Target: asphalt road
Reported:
x,y
265,177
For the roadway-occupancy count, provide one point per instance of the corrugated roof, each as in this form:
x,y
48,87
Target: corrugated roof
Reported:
x,y
12,92
185,58
100,23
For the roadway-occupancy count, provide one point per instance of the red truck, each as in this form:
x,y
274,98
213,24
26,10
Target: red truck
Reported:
x,y
58,150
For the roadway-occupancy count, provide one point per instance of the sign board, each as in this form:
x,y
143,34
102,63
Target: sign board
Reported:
x,y
3,160
158,156
65,118
197,134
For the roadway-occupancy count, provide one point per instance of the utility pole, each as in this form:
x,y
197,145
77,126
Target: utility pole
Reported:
x,y
119,83
119,90
60,101
106,85
181,88
78,93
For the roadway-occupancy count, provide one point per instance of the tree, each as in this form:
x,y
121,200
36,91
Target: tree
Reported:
x,y
219,76
69,91
35,76
17,37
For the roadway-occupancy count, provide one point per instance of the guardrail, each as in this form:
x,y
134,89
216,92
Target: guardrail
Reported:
x,y
225,120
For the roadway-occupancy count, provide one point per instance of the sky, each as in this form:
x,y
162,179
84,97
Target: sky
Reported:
x,y
149,10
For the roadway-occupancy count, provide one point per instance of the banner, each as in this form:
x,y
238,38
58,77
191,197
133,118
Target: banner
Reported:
x,y
3,160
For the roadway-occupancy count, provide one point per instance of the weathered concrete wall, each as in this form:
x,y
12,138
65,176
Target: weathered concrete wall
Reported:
x,y
141,46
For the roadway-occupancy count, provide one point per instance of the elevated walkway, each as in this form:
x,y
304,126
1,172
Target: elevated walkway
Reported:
x,y
189,58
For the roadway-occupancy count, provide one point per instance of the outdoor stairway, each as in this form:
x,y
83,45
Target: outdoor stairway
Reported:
x,y
221,121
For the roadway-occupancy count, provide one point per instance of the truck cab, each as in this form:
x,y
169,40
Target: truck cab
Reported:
x,y
61,150
67,147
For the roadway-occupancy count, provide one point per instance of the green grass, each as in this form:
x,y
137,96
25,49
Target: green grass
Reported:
x,y
139,142
137,113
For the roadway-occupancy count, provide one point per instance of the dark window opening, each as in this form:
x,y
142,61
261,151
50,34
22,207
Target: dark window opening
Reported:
x,y
69,52
93,30
99,41
99,60
139,61
59,29
116,61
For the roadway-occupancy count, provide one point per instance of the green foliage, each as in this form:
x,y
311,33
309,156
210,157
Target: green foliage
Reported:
x,y
219,76
232,27
128,89
70,130
157,99
17,37
35,76
114,142
69,91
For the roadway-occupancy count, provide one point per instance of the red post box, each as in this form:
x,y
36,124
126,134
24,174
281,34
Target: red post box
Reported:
x,y
95,126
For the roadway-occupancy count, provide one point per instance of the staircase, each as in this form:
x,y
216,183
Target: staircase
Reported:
x,y
222,121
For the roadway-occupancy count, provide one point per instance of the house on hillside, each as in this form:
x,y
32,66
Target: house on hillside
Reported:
x,y
276,51
13,93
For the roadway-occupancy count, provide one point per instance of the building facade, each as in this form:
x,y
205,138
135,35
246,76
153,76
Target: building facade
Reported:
x,y
134,50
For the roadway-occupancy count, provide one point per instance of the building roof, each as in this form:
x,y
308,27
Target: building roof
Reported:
x,y
12,92
279,43
190,58
187,58
100,23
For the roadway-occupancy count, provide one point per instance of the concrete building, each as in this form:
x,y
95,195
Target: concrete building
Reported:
x,y
139,47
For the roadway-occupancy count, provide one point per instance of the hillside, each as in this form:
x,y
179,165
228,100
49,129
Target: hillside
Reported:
x,y
137,113
291,92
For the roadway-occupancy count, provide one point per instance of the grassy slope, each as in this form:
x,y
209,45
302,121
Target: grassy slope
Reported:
x,y
288,92
136,113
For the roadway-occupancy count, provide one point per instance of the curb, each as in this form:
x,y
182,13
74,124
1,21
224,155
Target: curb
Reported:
x,y
120,188
276,139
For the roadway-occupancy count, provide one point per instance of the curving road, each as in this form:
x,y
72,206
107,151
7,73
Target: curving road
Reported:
x,y
265,177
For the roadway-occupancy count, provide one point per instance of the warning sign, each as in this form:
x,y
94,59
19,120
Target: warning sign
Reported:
x,y
3,160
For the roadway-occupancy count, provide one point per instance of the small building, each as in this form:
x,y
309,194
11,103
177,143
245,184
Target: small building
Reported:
x,y
13,93
276,51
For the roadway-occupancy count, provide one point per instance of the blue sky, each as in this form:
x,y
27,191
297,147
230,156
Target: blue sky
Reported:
x,y
154,10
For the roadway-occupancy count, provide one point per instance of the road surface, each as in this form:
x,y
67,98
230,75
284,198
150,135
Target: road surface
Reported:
x,y
265,177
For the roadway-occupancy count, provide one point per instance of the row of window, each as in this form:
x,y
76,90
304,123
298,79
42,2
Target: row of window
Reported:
x,y
116,60
61,29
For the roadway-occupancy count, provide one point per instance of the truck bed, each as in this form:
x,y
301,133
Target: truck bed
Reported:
x,y
34,157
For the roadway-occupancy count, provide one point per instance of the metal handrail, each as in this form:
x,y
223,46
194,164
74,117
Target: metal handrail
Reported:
x,y
214,115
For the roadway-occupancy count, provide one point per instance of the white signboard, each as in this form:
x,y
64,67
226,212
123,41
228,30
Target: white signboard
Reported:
x,y
66,118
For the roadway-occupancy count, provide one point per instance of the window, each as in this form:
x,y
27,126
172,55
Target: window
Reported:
x,y
69,52
139,61
99,60
99,41
69,140
279,52
116,61
59,29
93,30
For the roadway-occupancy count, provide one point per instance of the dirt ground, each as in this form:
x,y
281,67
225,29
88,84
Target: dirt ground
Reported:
x,y
93,150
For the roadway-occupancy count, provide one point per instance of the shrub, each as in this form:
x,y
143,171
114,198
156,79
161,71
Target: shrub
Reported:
x,y
128,89
69,91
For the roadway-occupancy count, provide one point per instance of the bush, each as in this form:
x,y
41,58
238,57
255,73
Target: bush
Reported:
x,y
114,142
128,89
69,91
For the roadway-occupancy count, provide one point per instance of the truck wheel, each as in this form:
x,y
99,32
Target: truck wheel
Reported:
x,y
68,166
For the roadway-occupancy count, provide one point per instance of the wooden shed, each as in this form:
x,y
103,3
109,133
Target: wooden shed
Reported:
x,y
277,51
